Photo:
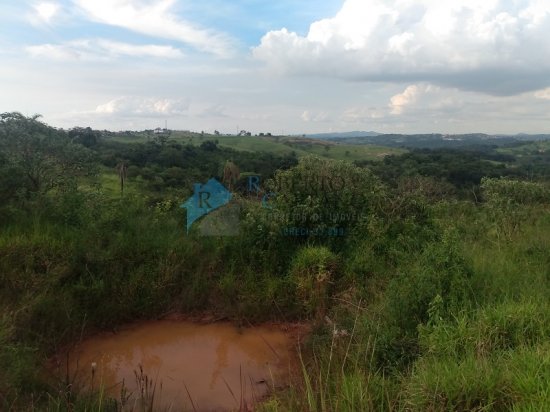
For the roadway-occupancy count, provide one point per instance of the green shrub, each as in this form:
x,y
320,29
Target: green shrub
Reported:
x,y
312,271
509,192
510,203
323,198
435,286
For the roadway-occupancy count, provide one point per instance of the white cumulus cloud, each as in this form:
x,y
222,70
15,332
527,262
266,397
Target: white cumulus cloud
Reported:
x,y
492,46
400,101
427,99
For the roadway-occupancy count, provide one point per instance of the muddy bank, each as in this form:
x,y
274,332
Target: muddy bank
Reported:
x,y
185,365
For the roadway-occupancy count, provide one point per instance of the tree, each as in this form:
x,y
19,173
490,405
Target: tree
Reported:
x,y
209,145
86,136
42,157
161,138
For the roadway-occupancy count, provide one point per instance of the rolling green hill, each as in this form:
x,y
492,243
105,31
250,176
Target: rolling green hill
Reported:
x,y
279,145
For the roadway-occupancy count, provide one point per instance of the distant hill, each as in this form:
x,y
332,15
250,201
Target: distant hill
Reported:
x,y
342,135
351,146
437,140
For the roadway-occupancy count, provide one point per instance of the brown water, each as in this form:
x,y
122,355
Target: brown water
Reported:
x,y
193,366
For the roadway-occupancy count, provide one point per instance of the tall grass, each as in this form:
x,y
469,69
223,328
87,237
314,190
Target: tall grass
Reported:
x,y
425,308
486,351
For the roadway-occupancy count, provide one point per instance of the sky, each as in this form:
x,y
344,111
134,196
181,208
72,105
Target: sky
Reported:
x,y
283,67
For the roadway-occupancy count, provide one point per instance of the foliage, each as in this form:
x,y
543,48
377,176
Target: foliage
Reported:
x,y
432,288
458,171
508,193
312,271
85,136
509,202
321,198
40,156
435,298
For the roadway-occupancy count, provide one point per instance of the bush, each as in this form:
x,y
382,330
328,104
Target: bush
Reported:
x,y
439,271
433,288
510,203
312,271
319,196
505,192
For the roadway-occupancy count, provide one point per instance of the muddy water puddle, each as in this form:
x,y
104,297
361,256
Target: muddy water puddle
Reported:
x,y
187,366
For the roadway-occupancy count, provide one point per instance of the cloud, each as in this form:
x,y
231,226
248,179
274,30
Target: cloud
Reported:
x,y
312,116
543,94
494,46
130,106
400,101
100,49
45,11
426,99
154,18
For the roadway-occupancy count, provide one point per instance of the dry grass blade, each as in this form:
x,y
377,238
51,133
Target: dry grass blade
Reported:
x,y
190,398
241,406
265,341
230,391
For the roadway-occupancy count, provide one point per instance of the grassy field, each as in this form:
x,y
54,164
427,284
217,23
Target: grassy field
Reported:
x,y
280,145
300,146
